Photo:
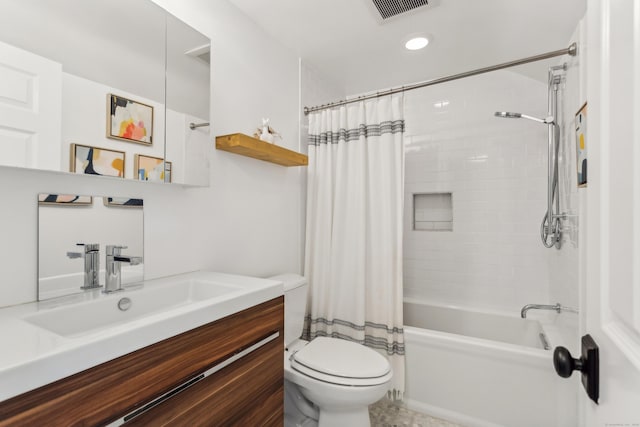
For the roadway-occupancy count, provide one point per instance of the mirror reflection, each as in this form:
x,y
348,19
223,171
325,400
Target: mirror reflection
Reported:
x,y
125,85
88,243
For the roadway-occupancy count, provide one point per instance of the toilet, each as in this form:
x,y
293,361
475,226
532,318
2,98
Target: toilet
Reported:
x,y
328,381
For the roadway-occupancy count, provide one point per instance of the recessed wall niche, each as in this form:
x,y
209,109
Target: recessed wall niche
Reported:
x,y
432,212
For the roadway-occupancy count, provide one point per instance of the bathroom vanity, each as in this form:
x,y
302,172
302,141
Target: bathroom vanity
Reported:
x,y
209,359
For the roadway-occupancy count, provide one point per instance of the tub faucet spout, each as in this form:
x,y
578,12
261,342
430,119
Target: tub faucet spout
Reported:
x,y
559,308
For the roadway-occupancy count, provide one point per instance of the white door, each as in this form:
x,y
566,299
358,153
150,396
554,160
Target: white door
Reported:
x,y
30,109
612,275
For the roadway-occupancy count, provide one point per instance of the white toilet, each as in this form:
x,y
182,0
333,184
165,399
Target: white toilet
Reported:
x,y
328,382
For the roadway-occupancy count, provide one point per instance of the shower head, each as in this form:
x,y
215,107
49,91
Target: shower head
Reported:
x,y
510,115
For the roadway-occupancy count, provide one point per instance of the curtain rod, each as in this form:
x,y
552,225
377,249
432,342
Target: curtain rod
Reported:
x,y
571,50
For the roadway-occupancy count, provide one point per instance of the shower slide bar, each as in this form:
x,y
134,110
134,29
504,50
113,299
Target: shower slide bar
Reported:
x,y
551,226
572,50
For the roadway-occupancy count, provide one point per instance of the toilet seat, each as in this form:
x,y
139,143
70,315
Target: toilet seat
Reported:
x,y
341,362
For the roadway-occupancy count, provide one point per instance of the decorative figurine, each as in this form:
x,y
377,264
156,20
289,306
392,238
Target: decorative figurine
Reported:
x,y
266,133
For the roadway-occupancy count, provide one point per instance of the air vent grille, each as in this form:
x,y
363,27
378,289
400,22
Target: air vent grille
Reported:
x,y
390,8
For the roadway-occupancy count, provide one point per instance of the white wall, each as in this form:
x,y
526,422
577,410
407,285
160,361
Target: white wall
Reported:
x,y
496,171
315,89
248,221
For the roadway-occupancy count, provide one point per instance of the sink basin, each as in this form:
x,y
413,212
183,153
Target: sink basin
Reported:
x,y
110,310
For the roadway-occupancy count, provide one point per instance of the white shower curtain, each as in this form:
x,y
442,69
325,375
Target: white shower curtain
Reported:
x,y
353,257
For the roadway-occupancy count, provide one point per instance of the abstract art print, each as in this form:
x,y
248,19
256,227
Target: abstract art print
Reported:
x,y
96,161
122,202
154,169
64,199
581,145
129,120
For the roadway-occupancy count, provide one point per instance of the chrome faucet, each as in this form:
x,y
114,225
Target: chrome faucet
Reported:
x,y
113,273
559,308
91,257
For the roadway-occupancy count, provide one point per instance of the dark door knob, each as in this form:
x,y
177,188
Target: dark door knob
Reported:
x,y
564,363
588,364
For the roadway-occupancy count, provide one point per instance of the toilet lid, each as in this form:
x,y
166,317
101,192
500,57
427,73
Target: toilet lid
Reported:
x,y
344,362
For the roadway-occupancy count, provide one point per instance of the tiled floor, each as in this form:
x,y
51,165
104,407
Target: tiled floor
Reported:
x,y
386,413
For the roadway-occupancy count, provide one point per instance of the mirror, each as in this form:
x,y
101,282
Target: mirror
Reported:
x,y
123,79
73,232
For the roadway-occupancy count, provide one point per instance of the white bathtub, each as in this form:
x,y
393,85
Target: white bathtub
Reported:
x,y
482,369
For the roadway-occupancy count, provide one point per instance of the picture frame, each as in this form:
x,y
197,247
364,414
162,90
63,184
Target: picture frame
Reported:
x,y
581,145
168,168
123,202
155,169
64,200
129,120
85,159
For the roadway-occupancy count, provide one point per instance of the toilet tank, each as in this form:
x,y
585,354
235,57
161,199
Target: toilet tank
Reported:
x,y
295,304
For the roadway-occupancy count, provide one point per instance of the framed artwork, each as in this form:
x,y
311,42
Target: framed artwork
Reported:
x,y
167,171
129,120
122,202
96,161
581,145
64,199
149,168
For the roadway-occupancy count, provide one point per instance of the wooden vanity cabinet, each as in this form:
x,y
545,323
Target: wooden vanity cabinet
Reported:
x,y
249,391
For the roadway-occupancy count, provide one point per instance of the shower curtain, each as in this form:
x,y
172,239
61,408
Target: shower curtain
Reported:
x,y
353,258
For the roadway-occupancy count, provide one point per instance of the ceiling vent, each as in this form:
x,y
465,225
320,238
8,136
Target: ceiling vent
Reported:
x,y
391,8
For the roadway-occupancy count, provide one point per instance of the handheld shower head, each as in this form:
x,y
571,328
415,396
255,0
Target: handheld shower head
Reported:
x,y
510,115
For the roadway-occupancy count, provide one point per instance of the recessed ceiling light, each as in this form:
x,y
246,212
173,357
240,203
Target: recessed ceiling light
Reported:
x,y
416,43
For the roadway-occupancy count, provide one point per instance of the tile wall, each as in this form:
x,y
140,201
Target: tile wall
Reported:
x,y
496,171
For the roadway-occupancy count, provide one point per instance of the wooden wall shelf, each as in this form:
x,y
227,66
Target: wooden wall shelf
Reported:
x,y
245,145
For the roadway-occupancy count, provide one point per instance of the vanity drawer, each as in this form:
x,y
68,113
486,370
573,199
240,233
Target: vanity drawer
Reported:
x,y
249,392
107,392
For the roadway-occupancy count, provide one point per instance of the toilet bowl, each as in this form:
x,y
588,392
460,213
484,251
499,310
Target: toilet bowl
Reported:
x,y
328,376
328,381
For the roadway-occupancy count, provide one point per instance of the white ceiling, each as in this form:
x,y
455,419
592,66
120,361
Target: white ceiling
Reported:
x,y
346,40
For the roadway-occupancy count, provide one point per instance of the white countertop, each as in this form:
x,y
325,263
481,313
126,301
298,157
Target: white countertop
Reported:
x,y
32,356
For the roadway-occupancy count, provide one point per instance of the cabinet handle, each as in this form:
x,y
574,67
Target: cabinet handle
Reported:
x,y
168,395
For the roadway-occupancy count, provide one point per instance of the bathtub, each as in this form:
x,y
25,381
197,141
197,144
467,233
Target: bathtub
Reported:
x,y
483,369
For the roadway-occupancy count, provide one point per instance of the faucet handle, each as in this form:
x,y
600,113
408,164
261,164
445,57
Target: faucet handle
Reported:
x,y
89,247
114,249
